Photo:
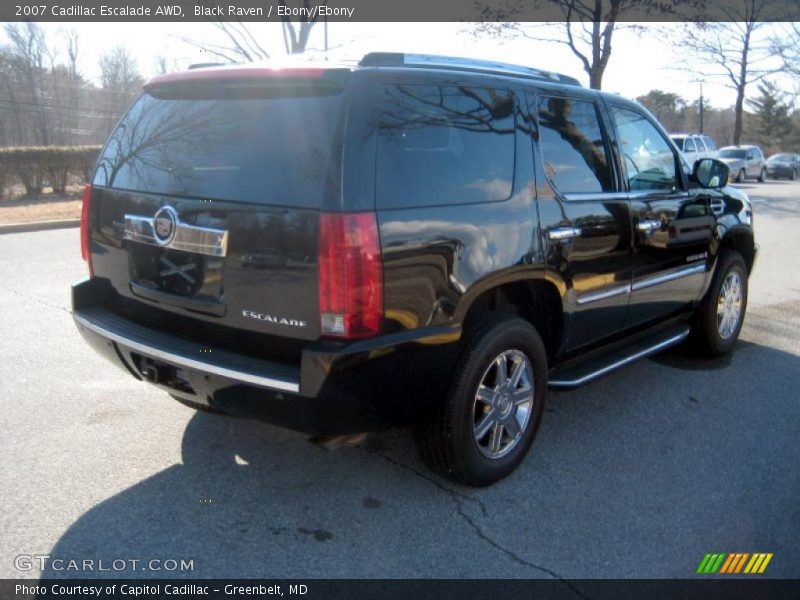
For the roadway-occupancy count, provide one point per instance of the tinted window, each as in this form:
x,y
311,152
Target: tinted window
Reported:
x,y
688,146
731,153
264,149
573,150
649,161
678,142
444,145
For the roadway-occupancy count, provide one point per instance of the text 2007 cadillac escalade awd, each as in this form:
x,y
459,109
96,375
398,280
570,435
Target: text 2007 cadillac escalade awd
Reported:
x,y
413,240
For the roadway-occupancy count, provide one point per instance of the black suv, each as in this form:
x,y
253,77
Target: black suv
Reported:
x,y
412,240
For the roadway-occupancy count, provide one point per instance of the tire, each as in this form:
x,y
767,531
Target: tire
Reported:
x,y
196,405
793,176
711,335
762,177
740,177
447,440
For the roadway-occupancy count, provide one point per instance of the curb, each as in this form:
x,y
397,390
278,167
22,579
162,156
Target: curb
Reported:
x,y
39,226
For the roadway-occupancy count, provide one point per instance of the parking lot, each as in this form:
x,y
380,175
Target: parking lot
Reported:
x,y
639,474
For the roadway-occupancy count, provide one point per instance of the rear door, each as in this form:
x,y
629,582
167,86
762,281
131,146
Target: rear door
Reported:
x,y
207,197
672,228
585,216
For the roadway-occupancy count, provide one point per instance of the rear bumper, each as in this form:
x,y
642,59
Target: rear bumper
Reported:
x,y
336,388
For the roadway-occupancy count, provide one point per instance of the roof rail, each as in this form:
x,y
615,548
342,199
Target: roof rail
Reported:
x,y
432,61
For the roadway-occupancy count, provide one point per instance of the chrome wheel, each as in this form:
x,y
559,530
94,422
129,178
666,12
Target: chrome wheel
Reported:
x,y
729,305
503,404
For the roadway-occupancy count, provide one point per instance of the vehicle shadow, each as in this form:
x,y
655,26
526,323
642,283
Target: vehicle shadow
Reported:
x,y
253,500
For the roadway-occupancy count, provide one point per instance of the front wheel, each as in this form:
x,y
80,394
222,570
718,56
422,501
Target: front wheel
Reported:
x,y
762,177
740,176
792,176
485,426
720,316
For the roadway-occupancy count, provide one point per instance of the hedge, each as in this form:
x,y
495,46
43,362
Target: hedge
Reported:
x,y
35,165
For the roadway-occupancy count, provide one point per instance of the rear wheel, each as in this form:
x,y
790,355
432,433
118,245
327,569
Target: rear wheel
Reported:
x,y
493,408
762,177
793,175
720,316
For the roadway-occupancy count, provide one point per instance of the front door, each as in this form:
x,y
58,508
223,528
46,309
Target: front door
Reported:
x,y
672,228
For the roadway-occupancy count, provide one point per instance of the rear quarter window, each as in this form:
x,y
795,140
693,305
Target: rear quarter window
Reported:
x,y
442,144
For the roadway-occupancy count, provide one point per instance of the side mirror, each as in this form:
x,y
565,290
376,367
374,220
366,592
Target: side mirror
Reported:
x,y
711,173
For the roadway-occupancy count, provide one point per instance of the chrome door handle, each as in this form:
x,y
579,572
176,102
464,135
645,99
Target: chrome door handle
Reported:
x,y
563,233
648,225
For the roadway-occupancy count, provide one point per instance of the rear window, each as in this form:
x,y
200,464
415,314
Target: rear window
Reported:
x,y
250,144
442,145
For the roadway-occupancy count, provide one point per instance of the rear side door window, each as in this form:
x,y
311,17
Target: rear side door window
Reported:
x,y
576,156
688,146
444,144
650,163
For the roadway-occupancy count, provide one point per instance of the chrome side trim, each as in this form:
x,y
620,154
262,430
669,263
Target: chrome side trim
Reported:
x,y
184,361
595,196
189,238
651,281
602,295
570,383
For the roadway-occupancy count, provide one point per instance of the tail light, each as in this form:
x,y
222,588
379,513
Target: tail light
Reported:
x,y
350,275
86,252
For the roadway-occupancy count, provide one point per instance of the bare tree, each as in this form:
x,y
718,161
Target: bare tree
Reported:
x,y
71,40
587,27
733,52
120,81
28,50
243,45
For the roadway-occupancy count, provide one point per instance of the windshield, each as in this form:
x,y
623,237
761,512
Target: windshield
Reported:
x,y
780,158
732,153
249,145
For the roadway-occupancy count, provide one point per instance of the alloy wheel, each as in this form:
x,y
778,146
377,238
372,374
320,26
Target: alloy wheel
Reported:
x,y
729,305
503,404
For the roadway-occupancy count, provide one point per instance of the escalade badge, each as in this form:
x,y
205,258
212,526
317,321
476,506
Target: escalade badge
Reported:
x,y
165,224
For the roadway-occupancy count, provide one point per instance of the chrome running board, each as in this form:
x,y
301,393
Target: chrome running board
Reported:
x,y
585,372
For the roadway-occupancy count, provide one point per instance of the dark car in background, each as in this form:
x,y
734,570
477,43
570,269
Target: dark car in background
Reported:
x,y
745,162
783,164
413,240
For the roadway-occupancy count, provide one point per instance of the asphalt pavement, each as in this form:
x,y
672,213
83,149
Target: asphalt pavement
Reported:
x,y
639,474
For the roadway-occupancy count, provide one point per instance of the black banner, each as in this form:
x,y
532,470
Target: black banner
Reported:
x,y
387,10
391,589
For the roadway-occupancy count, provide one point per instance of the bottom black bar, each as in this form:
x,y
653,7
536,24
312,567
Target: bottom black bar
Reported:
x,y
390,589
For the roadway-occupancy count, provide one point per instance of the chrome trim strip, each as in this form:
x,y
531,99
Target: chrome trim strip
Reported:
x,y
570,383
595,196
603,294
268,382
563,233
189,238
658,279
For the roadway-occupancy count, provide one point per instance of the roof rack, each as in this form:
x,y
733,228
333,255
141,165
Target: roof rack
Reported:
x,y
205,65
432,61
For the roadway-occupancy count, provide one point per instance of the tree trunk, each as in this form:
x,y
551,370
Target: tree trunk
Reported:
x,y
740,89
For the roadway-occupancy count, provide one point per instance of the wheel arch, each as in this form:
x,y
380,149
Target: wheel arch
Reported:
x,y
538,300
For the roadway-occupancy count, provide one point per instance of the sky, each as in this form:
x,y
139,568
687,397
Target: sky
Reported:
x,y
639,62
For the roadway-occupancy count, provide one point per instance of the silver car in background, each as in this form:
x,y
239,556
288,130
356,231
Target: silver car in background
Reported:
x,y
745,162
695,146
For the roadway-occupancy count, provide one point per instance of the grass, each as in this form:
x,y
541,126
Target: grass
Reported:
x,y
16,208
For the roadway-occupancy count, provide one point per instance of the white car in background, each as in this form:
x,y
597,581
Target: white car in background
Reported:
x,y
695,146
